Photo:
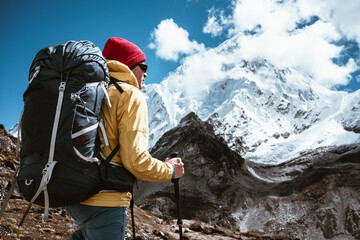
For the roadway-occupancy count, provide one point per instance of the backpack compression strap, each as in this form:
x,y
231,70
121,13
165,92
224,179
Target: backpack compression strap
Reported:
x,y
47,171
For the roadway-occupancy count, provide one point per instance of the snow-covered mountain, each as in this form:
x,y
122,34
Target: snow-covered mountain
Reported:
x,y
267,114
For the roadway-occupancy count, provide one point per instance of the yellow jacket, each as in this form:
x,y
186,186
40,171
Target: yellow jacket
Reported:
x,y
126,123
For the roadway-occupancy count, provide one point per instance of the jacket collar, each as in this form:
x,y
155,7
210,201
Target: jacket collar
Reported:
x,y
121,72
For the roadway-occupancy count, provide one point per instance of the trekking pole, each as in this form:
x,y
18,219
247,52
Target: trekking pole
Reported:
x,y
132,216
13,181
9,193
177,196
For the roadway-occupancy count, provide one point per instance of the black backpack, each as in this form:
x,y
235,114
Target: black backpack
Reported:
x,y
59,125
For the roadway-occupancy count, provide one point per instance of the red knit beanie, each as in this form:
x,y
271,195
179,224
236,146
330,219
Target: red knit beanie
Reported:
x,y
123,51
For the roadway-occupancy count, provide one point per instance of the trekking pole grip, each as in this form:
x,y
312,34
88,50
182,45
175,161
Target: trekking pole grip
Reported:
x,y
174,155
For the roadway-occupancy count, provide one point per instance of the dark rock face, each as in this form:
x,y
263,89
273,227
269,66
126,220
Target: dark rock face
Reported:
x,y
208,189
318,197
314,196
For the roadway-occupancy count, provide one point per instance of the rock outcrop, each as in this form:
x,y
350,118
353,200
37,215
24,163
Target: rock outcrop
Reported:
x,y
209,186
314,196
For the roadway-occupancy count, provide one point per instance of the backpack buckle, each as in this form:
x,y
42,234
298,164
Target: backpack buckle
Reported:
x,y
62,86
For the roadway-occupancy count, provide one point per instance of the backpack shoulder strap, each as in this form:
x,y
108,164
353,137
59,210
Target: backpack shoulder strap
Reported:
x,y
114,81
111,155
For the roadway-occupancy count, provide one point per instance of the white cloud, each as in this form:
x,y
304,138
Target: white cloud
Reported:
x,y
170,41
213,27
343,14
277,37
214,24
201,71
307,49
272,30
346,16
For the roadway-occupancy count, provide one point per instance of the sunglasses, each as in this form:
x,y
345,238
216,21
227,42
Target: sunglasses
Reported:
x,y
142,65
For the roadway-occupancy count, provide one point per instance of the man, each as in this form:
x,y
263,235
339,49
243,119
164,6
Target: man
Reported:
x,y
103,216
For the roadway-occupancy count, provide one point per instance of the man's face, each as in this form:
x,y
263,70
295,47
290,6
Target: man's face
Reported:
x,y
140,75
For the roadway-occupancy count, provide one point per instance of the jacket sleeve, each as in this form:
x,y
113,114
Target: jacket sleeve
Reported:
x,y
133,139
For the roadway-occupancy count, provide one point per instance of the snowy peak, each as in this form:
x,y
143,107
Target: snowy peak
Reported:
x,y
266,113
277,122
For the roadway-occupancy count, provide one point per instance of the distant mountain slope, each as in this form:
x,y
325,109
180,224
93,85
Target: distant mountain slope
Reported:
x,y
265,113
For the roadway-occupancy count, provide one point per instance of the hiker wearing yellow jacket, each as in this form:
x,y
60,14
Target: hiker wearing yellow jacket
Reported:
x,y
103,216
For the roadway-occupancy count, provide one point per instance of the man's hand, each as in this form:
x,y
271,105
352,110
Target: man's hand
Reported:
x,y
178,166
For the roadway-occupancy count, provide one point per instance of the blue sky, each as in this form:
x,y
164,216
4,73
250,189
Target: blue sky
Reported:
x,y
27,26
170,30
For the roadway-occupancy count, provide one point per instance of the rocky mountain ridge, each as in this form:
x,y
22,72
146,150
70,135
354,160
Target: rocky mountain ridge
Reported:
x,y
313,196
223,196
210,173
